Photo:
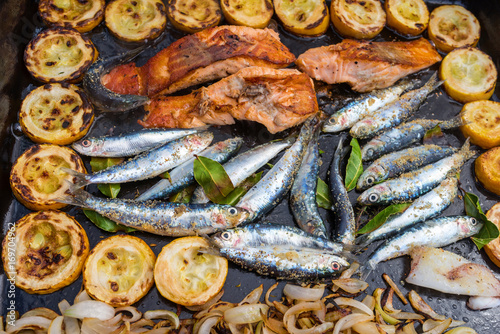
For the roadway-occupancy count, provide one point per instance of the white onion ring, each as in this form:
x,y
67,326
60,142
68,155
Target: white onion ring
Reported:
x,y
353,303
135,313
268,293
349,321
206,324
291,316
245,314
163,314
90,309
306,294
253,297
34,322
56,325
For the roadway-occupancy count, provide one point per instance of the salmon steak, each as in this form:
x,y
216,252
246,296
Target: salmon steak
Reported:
x,y
367,65
207,55
277,98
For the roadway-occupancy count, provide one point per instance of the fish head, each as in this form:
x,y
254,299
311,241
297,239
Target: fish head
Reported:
x,y
228,239
377,194
371,176
88,146
338,264
468,226
233,216
363,129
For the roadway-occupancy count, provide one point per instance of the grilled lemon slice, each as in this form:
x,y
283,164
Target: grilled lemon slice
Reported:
x,y
469,74
452,26
408,17
36,177
119,270
492,249
194,15
135,20
250,13
45,251
80,15
360,19
186,276
59,54
56,113
482,123
304,17
487,171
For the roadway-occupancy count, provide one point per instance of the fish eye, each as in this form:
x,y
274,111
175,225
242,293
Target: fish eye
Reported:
x,y
369,152
225,235
335,266
370,180
473,221
373,198
86,143
232,211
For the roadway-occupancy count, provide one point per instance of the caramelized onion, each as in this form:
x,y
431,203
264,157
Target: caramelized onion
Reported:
x,y
302,293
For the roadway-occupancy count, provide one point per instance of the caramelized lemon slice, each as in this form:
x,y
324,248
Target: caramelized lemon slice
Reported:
x,y
249,13
360,19
59,54
186,276
119,270
469,75
36,177
56,114
452,26
80,15
487,171
46,251
135,20
482,123
194,15
303,17
408,17
492,249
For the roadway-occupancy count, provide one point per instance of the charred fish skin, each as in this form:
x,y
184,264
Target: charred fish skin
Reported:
x,y
438,232
344,225
183,175
270,235
283,263
396,112
245,164
413,184
162,218
363,106
403,136
396,163
151,163
276,183
423,208
129,144
303,193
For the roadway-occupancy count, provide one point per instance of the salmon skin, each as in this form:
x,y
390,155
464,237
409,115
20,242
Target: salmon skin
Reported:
x,y
277,98
367,65
204,56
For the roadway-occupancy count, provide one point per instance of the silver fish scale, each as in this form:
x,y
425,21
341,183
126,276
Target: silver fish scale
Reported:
x,y
438,232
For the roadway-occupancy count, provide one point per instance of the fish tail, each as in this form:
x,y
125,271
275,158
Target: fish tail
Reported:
x,y
453,123
81,178
77,196
365,271
363,241
466,151
433,83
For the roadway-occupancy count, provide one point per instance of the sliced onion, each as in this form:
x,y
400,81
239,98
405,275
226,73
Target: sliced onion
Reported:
x,y
369,301
71,325
33,322
349,321
302,293
409,328
97,326
351,285
370,327
253,297
440,328
245,314
163,314
91,309
393,285
483,303
56,325
41,312
140,324
268,293
210,302
275,325
421,306
205,325
462,330
290,318
350,271
162,330
135,314
282,308
407,316
353,303
82,296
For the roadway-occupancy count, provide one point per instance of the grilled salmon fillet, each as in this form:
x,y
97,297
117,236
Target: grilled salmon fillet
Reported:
x,y
277,98
367,65
210,54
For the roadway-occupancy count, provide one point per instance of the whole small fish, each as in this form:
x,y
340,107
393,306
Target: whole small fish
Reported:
x,y
303,193
270,235
182,176
396,112
413,184
363,106
396,163
130,144
162,218
149,164
437,232
266,194
344,226
403,136
245,164
423,208
302,264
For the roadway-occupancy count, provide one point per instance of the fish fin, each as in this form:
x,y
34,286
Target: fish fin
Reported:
x,y
81,178
210,250
349,255
76,196
365,271
363,241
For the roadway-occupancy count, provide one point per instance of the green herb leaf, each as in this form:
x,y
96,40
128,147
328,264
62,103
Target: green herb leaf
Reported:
x,y
97,164
382,216
323,197
213,178
433,133
104,223
234,196
489,231
183,196
354,166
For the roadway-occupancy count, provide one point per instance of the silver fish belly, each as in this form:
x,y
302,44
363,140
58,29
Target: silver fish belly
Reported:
x,y
129,144
437,232
183,175
245,164
423,208
396,163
